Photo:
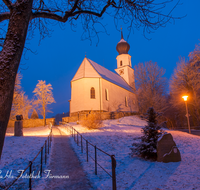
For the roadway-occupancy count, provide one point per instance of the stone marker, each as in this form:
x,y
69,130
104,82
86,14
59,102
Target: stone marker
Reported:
x,y
167,150
173,156
19,126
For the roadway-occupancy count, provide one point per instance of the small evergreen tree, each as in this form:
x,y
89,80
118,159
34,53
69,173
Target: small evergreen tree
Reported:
x,y
34,115
147,148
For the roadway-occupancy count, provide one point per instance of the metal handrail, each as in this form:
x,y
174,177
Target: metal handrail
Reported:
x,y
113,160
31,162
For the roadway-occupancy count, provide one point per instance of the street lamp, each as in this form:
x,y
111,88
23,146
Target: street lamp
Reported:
x,y
187,115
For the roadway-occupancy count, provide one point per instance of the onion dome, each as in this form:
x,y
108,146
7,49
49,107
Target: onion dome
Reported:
x,y
122,46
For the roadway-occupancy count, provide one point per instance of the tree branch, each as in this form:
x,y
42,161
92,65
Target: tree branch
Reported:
x,y
4,16
8,4
75,6
71,13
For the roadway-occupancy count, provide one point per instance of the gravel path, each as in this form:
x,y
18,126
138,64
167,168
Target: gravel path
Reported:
x,y
64,162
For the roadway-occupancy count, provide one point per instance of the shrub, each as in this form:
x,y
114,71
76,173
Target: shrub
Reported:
x,y
92,121
147,147
34,115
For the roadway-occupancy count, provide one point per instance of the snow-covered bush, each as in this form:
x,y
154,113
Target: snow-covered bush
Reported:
x,y
92,121
34,115
147,147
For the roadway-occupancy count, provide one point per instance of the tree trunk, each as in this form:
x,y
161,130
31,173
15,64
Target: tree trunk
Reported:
x,y
44,115
44,120
10,58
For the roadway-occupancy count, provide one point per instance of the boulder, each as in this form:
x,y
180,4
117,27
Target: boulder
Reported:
x,y
167,150
173,156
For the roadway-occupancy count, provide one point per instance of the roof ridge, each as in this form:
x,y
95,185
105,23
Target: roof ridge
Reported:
x,y
101,66
110,76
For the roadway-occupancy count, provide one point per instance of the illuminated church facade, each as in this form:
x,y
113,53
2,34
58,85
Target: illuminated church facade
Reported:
x,y
94,87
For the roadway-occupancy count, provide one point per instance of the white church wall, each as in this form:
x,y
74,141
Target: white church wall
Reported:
x,y
126,60
80,95
85,70
127,73
117,96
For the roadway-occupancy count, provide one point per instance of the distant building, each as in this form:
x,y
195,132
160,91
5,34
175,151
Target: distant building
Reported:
x,y
96,88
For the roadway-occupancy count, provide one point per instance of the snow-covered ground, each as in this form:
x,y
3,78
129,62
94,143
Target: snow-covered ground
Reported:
x,y
17,153
116,137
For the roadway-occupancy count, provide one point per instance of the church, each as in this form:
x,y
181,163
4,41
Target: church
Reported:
x,y
95,88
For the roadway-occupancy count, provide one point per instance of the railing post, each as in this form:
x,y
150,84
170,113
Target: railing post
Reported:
x,y
30,171
81,145
48,144
77,137
45,152
50,139
74,136
41,162
95,150
87,149
114,185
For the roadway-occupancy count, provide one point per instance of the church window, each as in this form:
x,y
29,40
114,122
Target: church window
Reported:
x,y
120,63
126,102
106,94
92,93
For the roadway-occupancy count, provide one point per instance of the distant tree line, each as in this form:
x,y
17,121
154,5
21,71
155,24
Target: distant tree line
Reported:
x,y
151,90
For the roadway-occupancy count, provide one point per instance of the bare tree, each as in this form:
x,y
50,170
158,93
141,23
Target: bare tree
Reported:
x,y
186,81
150,86
44,95
20,16
21,105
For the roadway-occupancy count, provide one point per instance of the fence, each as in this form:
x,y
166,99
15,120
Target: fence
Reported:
x,y
45,147
78,138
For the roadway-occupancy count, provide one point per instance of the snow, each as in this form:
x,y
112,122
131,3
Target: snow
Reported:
x,y
116,137
17,153
35,131
122,40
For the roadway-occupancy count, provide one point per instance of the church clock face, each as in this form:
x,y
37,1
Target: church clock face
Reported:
x,y
121,72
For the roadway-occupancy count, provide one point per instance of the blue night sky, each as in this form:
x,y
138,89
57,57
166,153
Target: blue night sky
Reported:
x,y
59,56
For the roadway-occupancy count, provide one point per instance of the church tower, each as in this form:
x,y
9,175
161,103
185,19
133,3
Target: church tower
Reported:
x,y
124,67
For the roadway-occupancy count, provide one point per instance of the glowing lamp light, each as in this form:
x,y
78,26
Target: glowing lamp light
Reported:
x,y
185,98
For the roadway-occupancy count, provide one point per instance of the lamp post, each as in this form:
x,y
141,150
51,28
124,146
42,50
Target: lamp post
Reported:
x,y
187,115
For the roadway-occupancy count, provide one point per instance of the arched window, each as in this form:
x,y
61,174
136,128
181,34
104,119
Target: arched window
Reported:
x,y
92,93
106,94
120,63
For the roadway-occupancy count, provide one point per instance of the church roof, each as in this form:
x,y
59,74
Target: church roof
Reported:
x,y
110,76
90,69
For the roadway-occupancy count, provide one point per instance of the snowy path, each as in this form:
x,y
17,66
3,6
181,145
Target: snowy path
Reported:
x,y
64,162
133,173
